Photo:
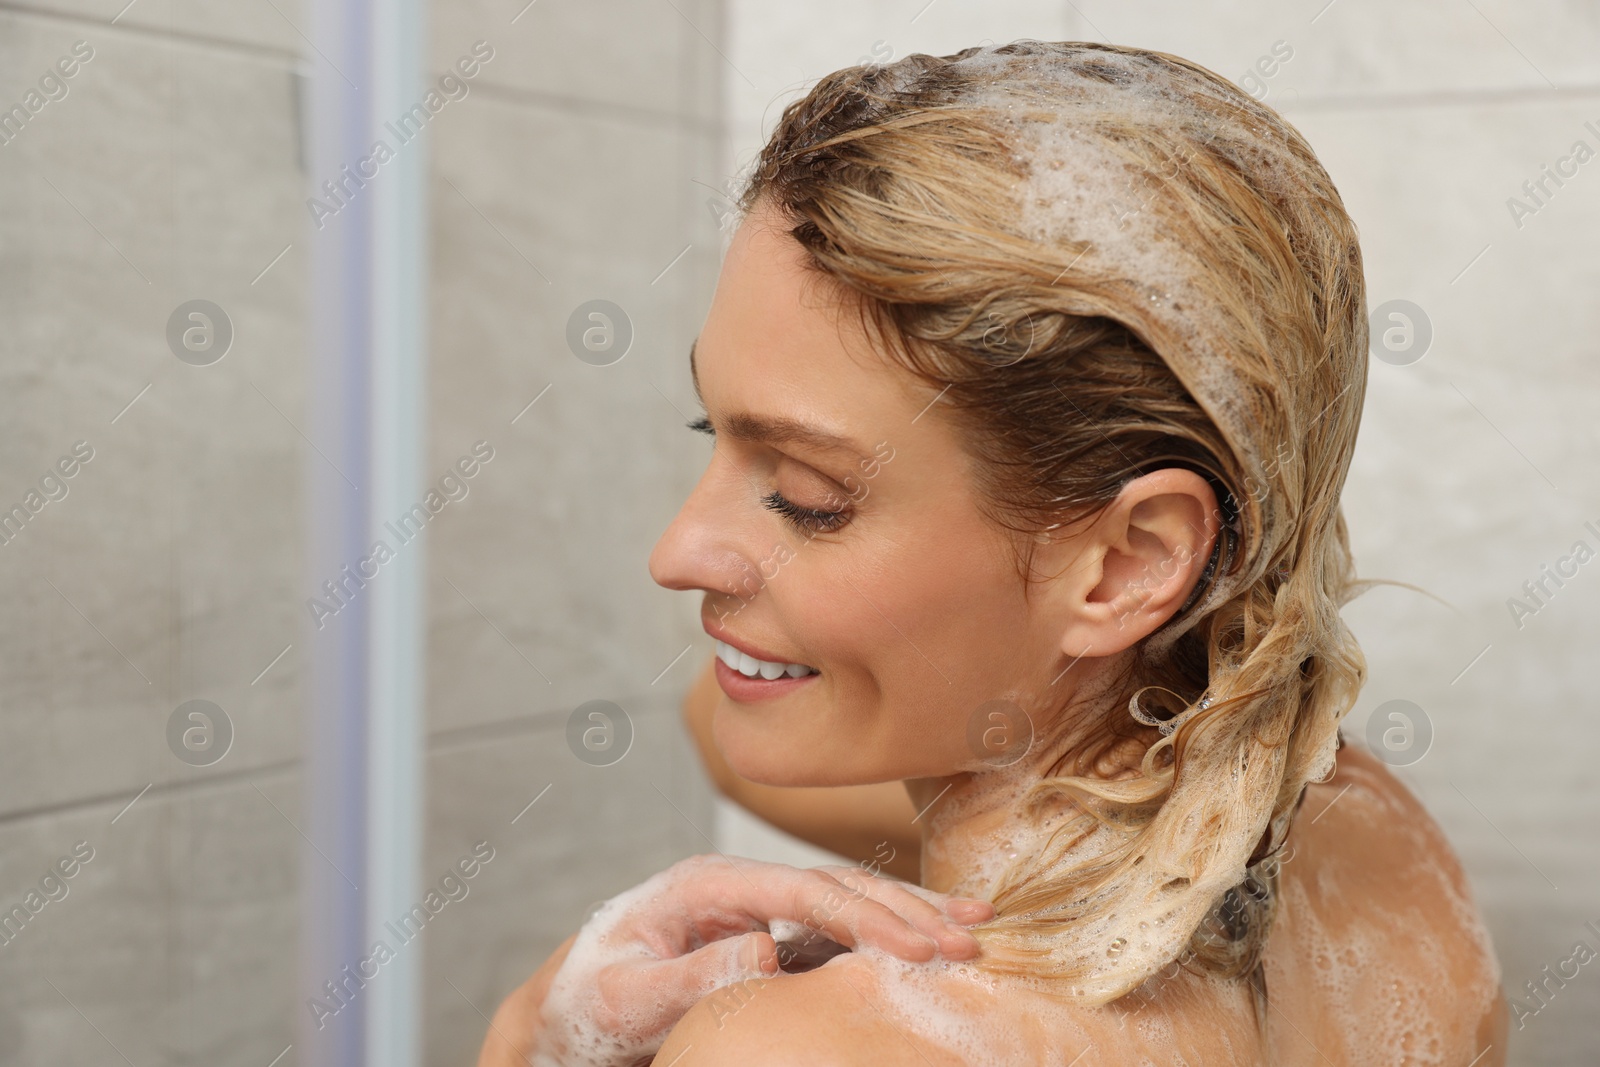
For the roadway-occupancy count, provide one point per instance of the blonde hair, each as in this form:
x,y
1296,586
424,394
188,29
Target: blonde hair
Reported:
x,y
1113,261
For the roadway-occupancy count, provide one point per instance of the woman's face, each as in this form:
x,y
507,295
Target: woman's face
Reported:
x,y
907,604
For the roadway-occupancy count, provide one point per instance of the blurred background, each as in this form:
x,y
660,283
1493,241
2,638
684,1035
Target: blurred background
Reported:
x,y
165,474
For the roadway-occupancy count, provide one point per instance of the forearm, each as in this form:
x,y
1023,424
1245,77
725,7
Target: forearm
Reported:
x,y
515,1026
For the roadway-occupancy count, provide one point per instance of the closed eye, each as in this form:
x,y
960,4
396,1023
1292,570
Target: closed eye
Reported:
x,y
807,520
810,521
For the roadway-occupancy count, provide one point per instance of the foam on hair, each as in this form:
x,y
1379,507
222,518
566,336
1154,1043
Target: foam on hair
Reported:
x,y
1097,136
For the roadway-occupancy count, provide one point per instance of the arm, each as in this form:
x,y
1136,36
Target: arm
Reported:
x,y
515,1026
851,820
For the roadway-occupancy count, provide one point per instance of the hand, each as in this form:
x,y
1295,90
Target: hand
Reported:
x,y
651,953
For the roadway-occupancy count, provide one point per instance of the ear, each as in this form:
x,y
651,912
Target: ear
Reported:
x,y
1136,564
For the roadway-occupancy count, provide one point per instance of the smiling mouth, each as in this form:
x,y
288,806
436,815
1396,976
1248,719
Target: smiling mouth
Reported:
x,y
751,667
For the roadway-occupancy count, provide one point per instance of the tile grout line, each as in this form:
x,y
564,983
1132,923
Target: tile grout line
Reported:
x,y
135,29
443,741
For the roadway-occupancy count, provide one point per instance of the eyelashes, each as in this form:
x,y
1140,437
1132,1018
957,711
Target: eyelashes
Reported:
x,y
806,520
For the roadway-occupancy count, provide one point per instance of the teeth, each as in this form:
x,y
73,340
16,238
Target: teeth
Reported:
x,y
751,667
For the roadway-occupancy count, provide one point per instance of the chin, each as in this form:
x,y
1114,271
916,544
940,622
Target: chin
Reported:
x,y
796,762
779,758
769,761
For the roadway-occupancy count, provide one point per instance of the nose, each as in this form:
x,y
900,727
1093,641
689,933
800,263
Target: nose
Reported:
x,y
695,549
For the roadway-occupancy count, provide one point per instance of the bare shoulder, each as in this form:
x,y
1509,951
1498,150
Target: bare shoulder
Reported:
x,y
1364,831
854,1011
821,1018
1379,944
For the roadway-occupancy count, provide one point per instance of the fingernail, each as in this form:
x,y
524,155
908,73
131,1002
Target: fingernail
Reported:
x,y
980,910
750,958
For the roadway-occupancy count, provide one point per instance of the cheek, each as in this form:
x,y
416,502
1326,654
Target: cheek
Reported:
x,y
914,630
916,643
935,605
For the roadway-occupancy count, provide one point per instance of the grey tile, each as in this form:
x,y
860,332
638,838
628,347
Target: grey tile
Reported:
x,y
276,25
174,943
540,595
629,54
1365,48
1470,471
167,173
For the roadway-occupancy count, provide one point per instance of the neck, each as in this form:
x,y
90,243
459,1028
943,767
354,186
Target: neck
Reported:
x,y
975,823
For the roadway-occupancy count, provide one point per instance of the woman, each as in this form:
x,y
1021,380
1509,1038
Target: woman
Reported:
x,y
1035,374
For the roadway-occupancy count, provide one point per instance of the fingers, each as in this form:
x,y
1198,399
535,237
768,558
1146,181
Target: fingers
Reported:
x,y
719,897
854,909
647,998
964,910
733,898
924,909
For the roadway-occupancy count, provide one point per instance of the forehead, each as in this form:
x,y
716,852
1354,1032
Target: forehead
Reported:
x,y
783,356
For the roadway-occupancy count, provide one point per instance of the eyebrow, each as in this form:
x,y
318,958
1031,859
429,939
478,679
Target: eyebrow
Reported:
x,y
776,429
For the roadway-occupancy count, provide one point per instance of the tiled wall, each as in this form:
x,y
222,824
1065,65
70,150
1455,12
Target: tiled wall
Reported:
x,y
1475,465
171,570
587,157
574,172
168,572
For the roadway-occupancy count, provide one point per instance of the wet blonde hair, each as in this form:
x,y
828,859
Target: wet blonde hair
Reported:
x,y
1112,261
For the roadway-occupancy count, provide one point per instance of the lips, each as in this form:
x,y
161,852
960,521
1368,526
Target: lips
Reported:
x,y
745,690
756,668
772,676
